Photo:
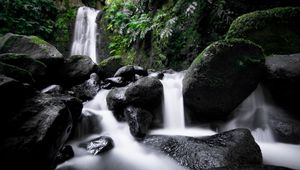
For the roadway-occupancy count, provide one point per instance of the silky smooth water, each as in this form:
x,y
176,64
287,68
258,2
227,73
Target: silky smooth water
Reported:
x,y
85,34
127,153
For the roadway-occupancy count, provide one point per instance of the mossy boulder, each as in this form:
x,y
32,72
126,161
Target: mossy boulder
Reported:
x,y
221,77
25,62
110,65
33,46
276,30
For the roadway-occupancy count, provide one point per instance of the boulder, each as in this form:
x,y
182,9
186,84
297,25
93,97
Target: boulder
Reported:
x,y
37,69
139,121
16,73
253,167
114,82
285,128
98,145
110,65
116,101
36,133
13,93
32,46
275,30
127,72
87,90
147,93
228,149
77,69
221,77
64,154
283,80
53,89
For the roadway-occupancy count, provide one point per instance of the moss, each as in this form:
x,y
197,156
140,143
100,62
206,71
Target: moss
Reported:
x,y
221,48
37,40
276,30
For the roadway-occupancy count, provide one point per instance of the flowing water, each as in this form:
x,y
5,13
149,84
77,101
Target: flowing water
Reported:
x,y
85,34
128,154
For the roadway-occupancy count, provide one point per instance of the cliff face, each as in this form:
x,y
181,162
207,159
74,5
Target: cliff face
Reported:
x,y
65,4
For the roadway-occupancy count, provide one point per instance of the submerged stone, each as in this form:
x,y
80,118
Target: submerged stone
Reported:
x,y
98,145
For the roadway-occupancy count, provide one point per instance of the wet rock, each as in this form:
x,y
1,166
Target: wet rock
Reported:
x,y
114,82
77,69
253,167
116,101
53,89
139,121
64,154
228,149
283,80
147,93
285,128
127,72
98,145
87,90
36,132
210,92
110,65
16,73
37,69
140,71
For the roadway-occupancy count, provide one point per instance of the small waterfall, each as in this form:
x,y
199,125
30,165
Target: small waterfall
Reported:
x,y
253,114
85,34
127,153
173,101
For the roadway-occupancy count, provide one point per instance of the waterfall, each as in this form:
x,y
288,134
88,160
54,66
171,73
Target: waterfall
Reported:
x,y
85,34
253,114
173,112
127,153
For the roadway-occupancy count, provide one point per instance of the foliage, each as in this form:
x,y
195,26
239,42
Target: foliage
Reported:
x,y
30,17
62,25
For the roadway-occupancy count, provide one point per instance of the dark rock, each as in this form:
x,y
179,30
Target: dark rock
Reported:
x,y
127,72
252,167
30,45
16,73
139,121
88,90
98,145
147,93
87,124
53,89
285,128
275,30
140,71
283,80
64,154
76,70
36,133
116,102
114,82
228,149
37,69
221,77
110,65
13,93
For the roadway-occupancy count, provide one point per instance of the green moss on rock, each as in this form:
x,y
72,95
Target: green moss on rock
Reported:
x,y
221,77
37,40
276,30
110,65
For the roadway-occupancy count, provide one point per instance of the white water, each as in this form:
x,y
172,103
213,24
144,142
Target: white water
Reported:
x,y
127,154
130,155
84,41
173,101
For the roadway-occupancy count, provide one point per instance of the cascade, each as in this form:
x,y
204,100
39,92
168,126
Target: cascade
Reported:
x,y
173,111
84,41
127,153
